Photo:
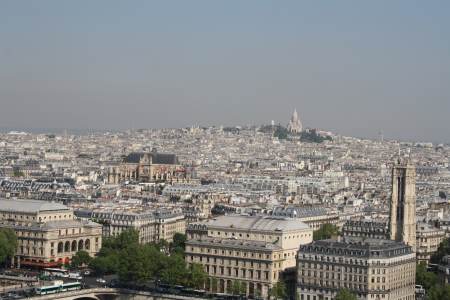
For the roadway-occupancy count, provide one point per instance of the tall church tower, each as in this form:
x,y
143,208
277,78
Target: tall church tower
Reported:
x,y
402,222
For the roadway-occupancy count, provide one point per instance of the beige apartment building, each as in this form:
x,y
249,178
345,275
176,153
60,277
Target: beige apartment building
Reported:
x,y
371,268
428,240
251,249
152,225
48,234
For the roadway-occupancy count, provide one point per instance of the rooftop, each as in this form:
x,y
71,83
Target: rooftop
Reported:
x,y
157,158
29,206
257,223
233,243
358,247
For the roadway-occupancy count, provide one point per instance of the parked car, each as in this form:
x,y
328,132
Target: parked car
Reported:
x,y
101,280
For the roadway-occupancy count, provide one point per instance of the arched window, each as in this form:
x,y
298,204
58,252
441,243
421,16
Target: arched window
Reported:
x,y
74,246
80,245
67,246
60,247
87,244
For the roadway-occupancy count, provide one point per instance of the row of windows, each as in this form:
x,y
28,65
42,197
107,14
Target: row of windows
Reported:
x,y
332,275
318,266
60,217
236,272
29,234
235,262
25,242
335,284
27,250
262,236
14,216
73,231
334,259
233,253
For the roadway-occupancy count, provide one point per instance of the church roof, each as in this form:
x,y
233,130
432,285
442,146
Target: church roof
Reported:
x,y
157,158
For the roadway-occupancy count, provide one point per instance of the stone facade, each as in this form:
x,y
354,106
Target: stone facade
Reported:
x,y
47,233
428,240
367,229
252,249
152,226
371,269
148,167
402,222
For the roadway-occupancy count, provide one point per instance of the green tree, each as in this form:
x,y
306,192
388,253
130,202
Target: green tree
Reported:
x,y
345,294
127,238
439,292
135,265
326,231
174,270
163,245
281,133
214,283
424,278
443,249
18,173
178,244
80,258
236,287
278,291
8,244
105,264
197,276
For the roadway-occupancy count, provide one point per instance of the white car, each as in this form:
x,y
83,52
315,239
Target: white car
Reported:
x,y
101,280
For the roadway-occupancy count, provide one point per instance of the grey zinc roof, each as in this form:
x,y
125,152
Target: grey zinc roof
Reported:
x,y
69,224
231,243
30,206
257,223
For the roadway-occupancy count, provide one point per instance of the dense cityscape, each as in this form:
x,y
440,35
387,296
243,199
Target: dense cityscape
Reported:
x,y
273,211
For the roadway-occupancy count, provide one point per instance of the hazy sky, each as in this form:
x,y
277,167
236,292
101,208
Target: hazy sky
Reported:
x,y
354,67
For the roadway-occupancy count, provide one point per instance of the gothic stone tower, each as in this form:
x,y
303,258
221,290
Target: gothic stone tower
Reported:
x,y
402,222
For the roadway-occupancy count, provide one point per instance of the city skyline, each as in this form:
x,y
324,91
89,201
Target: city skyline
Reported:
x,y
352,68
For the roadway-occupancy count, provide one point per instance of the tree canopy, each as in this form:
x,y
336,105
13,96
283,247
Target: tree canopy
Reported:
x,y
345,294
178,243
281,132
278,291
311,136
429,280
439,292
444,249
80,258
8,244
326,231
425,278
138,263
